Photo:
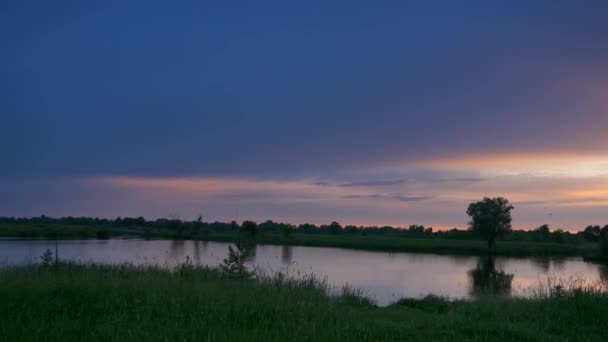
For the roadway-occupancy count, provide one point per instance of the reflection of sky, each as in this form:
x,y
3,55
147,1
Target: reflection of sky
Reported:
x,y
383,276
383,113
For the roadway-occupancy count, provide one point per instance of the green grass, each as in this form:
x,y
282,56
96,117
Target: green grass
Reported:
x,y
389,243
432,245
117,303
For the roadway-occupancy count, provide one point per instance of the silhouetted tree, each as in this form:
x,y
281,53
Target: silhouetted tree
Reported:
x,y
199,226
176,225
47,257
490,218
592,233
234,225
335,228
287,229
604,247
559,235
604,231
250,227
234,264
543,232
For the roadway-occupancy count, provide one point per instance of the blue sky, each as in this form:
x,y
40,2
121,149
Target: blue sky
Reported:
x,y
383,112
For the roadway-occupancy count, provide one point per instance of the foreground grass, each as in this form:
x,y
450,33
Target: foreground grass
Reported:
x,y
75,302
389,243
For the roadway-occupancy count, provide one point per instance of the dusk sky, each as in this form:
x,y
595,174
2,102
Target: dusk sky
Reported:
x,y
375,113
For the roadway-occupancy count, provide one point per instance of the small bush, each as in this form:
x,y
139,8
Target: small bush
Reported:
x,y
47,257
353,296
430,303
234,264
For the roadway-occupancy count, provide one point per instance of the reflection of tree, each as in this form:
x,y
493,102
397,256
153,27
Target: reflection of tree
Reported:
x,y
252,251
542,263
176,248
558,264
199,246
197,251
286,254
486,280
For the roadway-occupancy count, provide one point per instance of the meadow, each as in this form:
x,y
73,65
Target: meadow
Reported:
x,y
70,302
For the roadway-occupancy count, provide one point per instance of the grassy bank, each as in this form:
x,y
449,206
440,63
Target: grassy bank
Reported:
x,y
75,302
389,243
430,245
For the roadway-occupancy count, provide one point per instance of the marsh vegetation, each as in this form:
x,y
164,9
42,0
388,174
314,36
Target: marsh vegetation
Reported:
x,y
93,302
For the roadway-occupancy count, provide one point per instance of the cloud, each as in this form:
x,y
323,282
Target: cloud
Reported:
x,y
374,183
395,197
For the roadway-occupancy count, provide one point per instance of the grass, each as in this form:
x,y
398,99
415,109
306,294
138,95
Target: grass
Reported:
x,y
70,302
389,243
433,245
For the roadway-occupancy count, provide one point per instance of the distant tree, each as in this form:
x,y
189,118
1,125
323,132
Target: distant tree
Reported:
x,y
250,227
490,218
287,229
351,229
176,225
592,233
234,225
604,247
543,231
417,229
559,235
604,231
199,225
307,228
335,228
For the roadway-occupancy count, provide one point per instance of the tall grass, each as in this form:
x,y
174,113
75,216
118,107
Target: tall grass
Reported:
x,y
191,303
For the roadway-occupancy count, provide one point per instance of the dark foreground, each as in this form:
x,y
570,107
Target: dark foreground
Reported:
x,y
76,302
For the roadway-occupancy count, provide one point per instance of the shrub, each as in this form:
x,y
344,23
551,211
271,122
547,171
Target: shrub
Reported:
x,y
47,257
234,264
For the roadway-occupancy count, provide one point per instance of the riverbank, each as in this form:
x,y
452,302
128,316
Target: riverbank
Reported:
x,y
76,302
386,243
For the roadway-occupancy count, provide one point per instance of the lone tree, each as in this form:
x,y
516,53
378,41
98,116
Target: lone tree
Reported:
x,y
490,218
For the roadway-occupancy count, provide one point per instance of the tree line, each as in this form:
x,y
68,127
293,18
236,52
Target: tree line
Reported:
x,y
186,228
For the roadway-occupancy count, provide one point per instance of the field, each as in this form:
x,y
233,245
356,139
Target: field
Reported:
x,y
69,302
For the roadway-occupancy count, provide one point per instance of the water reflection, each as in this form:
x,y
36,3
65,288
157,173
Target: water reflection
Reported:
x,y
197,251
542,263
286,254
558,264
252,252
485,279
384,276
176,249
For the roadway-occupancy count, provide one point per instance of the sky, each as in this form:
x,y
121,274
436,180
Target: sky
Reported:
x,y
367,113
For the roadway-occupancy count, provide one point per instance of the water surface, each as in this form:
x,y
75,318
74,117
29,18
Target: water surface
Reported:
x,y
382,276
